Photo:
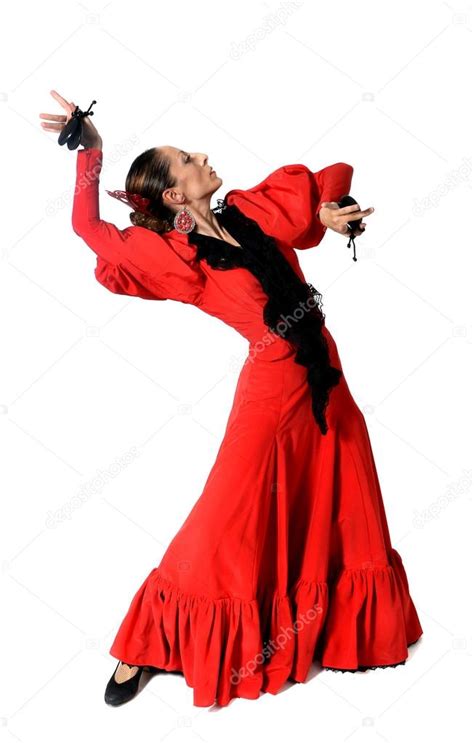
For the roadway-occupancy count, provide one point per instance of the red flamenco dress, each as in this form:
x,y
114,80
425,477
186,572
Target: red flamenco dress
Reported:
x,y
285,557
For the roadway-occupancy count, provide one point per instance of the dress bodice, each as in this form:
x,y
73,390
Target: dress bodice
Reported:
x,y
241,281
291,308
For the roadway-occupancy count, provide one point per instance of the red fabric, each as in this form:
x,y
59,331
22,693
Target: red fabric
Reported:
x,y
286,555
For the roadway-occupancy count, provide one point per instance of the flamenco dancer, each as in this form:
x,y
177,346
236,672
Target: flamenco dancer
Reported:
x,y
285,557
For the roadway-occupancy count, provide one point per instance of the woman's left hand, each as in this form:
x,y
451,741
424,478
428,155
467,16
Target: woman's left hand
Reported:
x,y
336,218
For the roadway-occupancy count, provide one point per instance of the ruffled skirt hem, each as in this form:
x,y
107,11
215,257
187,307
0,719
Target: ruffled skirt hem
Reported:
x,y
230,647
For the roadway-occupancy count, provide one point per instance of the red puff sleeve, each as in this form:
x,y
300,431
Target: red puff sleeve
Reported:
x,y
286,204
134,261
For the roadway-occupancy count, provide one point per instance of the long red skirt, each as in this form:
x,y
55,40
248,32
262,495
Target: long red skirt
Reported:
x,y
285,558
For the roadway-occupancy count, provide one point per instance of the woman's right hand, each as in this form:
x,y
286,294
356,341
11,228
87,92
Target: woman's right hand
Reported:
x,y
336,218
56,123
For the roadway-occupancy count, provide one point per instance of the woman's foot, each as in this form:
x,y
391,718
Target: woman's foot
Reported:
x,y
124,672
123,684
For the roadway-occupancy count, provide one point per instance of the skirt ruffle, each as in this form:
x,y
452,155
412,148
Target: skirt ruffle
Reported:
x,y
229,647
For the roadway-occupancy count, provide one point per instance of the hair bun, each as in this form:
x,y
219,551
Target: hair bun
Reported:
x,y
139,219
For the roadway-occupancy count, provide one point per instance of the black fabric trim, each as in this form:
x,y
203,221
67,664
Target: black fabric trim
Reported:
x,y
362,668
370,668
260,254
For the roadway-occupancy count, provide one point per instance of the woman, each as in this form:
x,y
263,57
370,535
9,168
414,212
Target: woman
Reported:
x,y
286,556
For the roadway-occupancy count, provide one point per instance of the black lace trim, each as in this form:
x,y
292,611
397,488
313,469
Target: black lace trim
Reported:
x,y
370,668
286,292
362,668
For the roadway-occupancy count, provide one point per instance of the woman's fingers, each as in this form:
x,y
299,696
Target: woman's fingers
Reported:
x,y
53,117
52,127
346,213
62,119
354,211
62,101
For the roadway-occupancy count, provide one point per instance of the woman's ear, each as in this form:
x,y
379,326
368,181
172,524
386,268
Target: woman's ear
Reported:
x,y
172,198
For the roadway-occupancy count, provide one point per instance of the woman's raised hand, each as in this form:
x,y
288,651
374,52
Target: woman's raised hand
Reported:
x,y
57,122
337,218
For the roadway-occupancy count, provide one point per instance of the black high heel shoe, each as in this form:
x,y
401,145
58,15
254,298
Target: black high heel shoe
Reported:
x,y
117,693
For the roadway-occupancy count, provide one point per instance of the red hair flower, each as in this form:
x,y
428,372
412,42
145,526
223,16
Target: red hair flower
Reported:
x,y
134,200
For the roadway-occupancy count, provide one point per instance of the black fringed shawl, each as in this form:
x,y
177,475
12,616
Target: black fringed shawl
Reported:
x,y
260,254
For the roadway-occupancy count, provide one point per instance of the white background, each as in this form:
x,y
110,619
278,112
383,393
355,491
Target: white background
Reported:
x,y
113,408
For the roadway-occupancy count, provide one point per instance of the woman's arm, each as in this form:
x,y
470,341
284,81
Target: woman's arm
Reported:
x,y
111,245
287,203
106,240
333,183
135,261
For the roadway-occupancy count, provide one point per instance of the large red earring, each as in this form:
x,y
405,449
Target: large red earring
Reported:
x,y
184,221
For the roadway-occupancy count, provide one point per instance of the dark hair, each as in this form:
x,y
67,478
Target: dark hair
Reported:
x,y
149,176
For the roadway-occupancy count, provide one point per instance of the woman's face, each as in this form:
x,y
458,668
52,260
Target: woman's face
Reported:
x,y
195,178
